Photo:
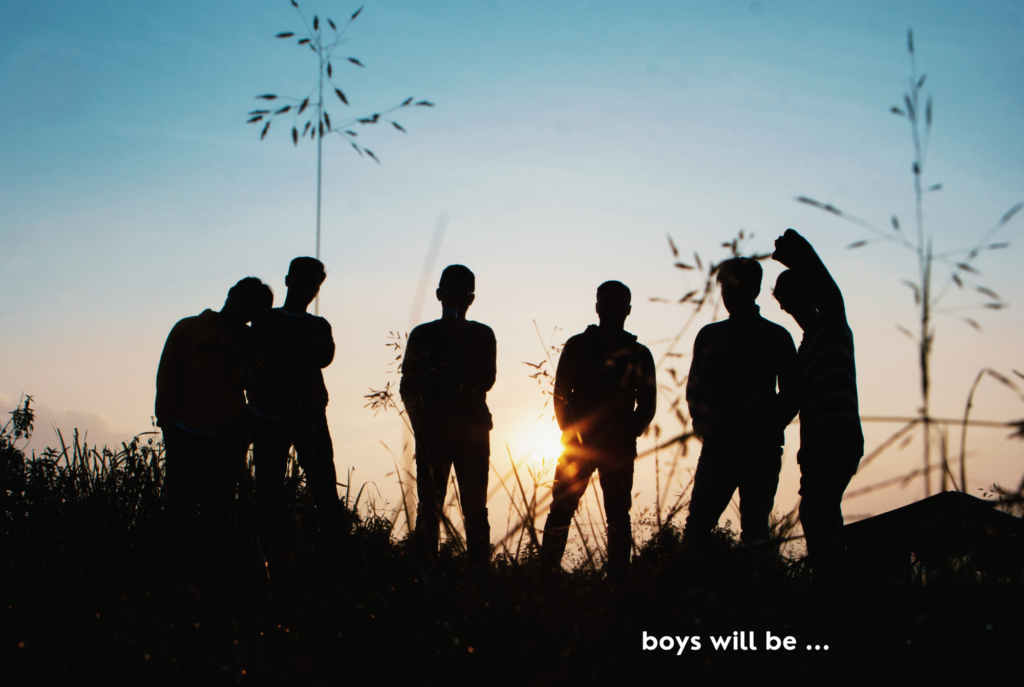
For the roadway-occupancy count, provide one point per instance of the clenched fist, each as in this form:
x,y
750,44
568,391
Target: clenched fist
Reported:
x,y
792,249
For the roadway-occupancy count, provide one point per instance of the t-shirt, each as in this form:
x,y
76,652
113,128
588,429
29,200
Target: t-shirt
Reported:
x,y
731,389
448,368
291,350
605,389
203,374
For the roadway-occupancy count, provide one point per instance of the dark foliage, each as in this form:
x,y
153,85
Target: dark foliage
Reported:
x,y
95,593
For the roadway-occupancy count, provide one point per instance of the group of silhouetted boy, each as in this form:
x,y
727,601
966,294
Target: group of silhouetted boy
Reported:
x,y
223,385
747,383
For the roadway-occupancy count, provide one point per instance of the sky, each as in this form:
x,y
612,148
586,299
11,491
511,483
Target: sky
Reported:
x,y
568,141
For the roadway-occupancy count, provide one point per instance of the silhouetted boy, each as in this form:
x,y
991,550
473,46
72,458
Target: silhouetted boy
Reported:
x,y
290,400
200,406
737,414
449,366
605,397
831,439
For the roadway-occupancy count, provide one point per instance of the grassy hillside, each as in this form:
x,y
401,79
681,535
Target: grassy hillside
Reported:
x,y
96,592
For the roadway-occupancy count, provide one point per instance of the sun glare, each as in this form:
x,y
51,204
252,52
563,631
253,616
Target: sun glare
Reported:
x,y
541,441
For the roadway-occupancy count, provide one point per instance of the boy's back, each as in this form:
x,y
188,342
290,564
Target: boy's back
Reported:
x,y
449,368
293,349
731,389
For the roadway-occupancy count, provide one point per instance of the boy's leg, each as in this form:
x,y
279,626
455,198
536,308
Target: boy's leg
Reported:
x,y
271,441
713,487
315,451
182,481
758,483
616,475
433,465
571,477
471,460
821,513
221,457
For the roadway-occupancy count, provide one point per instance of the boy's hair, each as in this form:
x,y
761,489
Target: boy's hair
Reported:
x,y
787,286
307,267
458,275
744,272
254,291
607,288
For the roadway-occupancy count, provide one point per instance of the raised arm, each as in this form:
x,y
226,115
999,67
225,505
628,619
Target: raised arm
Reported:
x,y
796,253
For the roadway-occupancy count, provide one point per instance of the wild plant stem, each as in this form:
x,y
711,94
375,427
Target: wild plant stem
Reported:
x,y
924,261
319,158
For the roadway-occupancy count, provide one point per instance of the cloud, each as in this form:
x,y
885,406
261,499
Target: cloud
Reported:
x,y
94,428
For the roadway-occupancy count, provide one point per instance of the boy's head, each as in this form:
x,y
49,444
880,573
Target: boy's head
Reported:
x,y
791,294
305,275
613,303
740,279
456,288
249,298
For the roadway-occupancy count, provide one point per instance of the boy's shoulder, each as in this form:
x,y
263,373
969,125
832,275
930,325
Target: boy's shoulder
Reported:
x,y
775,329
713,329
188,325
435,327
279,317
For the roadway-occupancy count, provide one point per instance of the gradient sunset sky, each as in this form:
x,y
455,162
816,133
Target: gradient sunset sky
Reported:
x,y
568,140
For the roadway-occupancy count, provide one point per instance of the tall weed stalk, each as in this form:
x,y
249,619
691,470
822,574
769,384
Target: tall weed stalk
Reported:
x,y
956,266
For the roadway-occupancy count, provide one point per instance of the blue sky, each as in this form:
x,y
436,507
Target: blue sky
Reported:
x,y
568,139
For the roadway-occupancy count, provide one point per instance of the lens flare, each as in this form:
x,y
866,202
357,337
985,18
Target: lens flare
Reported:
x,y
541,441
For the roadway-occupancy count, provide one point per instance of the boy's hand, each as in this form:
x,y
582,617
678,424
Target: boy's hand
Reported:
x,y
792,249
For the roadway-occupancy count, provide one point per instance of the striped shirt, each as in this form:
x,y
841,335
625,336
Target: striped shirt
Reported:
x,y
827,373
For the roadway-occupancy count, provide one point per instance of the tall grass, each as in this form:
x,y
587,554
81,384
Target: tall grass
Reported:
x,y
89,594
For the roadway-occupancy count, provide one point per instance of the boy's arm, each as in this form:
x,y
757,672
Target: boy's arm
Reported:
x,y
489,361
482,362
410,388
646,394
168,379
787,401
565,382
325,344
694,388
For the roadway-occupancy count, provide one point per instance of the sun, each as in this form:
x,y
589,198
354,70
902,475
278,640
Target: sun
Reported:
x,y
541,441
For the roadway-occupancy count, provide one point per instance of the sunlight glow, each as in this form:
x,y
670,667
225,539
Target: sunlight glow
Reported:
x,y
541,442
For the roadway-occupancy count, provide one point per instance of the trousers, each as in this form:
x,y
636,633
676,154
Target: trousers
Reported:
x,y
823,479
201,474
309,433
440,447
721,470
572,475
